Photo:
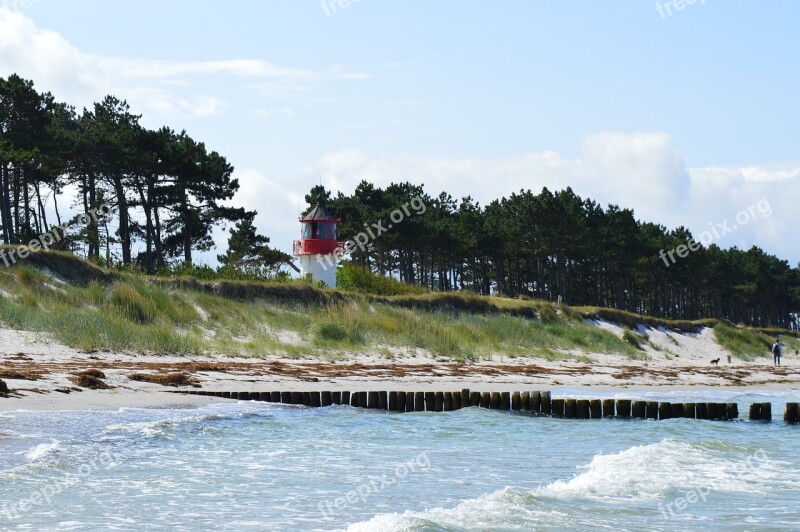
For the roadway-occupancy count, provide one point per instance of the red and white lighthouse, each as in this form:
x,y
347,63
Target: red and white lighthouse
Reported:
x,y
317,247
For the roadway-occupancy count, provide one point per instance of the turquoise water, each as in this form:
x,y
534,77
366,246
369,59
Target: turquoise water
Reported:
x,y
259,466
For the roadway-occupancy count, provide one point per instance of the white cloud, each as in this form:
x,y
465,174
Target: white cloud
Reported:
x,y
158,88
282,112
643,171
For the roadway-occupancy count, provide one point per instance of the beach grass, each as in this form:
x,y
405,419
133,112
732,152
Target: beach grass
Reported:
x,y
133,315
95,309
743,343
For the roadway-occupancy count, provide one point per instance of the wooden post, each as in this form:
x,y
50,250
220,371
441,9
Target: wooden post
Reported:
x,y
608,408
286,398
557,407
664,410
409,401
516,401
792,413
755,412
457,400
536,402
297,398
495,401
448,402
475,399
677,410
639,409
430,402
701,410
623,407
306,398
486,400
652,410
689,410
583,410
316,399
402,399
596,408
336,398
545,403
766,411
345,398
392,401
383,404
505,400
400,402
525,401
570,408
372,400
712,411
438,402
465,398
419,402
731,411
354,400
363,399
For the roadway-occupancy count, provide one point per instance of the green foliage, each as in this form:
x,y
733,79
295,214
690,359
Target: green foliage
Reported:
x,y
632,338
249,253
743,343
130,304
353,278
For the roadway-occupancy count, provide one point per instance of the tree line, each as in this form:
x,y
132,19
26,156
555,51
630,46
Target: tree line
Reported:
x,y
559,246
169,191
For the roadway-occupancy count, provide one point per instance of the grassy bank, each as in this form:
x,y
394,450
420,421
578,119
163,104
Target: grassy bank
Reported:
x,y
129,313
90,308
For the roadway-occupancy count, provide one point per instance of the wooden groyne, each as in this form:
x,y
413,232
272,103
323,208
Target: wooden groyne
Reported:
x,y
533,402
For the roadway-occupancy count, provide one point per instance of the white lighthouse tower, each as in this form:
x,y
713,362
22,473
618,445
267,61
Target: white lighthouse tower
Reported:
x,y
317,246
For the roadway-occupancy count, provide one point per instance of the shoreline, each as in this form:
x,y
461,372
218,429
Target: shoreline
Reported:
x,y
117,399
44,375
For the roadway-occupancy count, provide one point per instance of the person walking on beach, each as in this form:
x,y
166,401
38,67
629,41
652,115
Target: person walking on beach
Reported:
x,y
776,352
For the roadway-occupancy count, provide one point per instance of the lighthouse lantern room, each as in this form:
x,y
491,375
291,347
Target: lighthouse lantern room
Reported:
x,y
317,247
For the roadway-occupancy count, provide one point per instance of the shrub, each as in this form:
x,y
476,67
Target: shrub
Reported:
x,y
356,279
131,305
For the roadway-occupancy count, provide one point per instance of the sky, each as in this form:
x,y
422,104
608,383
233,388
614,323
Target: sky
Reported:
x,y
687,113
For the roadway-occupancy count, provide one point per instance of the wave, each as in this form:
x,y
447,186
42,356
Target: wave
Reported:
x,y
640,475
42,450
159,427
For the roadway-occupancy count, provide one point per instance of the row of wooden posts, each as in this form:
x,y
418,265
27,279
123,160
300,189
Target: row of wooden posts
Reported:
x,y
540,403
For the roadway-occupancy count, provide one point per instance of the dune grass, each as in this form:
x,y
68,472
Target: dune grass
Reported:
x,y
100,310
134,315
743,343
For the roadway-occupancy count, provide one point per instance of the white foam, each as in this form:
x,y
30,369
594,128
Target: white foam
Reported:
x,y
42,450
640,474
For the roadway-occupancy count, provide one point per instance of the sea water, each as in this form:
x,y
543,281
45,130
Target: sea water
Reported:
x,y
260,466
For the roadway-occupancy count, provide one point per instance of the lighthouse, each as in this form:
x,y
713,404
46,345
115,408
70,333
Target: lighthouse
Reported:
x,y
317,246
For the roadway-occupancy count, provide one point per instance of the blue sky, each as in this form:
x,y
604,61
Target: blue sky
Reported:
x,y
689,118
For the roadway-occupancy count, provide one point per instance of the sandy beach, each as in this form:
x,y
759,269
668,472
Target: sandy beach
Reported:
x,y
40,373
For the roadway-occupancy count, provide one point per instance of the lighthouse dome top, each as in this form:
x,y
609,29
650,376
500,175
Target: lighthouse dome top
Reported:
x,y
318,214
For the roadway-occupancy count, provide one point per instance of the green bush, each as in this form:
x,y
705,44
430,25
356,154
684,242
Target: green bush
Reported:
x,y
131,304
356,279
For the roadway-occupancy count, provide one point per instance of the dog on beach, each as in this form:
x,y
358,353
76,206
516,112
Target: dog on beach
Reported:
x,y
715,362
